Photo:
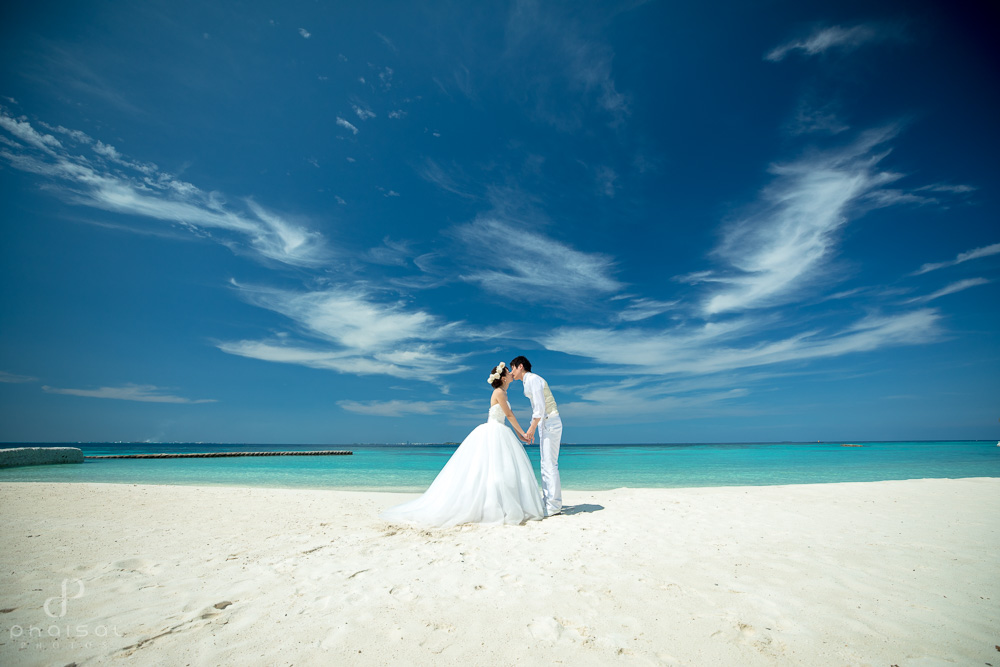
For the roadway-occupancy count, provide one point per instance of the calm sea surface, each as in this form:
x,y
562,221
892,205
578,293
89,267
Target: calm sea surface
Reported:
x,y
594,467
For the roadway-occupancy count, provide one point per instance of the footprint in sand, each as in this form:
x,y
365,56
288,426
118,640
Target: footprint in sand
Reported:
x,y
439,639
511,579
402,593
671,588
546,629
140,565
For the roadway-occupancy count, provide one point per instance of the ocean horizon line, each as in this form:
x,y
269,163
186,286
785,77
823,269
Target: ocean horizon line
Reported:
x,y
455,443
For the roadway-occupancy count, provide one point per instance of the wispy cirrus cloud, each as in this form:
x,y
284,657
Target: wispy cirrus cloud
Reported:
x,y
75,135
346,330
143,393
784,247
346,125
736,344
639,402
13,378
388,42
390,253
513,261
101,177
398,408
950,289
639,308
812,118
967,256
825,39
452,180
363,112
582,64
21,129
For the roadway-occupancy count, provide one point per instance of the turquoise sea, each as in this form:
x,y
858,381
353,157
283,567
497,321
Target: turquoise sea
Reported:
x,y
411,468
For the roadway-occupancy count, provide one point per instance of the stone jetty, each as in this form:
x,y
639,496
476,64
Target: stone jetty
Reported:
x,y
37,456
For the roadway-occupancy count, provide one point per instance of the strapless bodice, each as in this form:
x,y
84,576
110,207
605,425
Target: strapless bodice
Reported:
x,y
496,414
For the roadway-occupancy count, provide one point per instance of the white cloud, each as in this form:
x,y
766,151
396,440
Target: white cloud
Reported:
x,y
75,135
363,113
345,124
397,114
655,402
143,393
736,344
387,42
977,253
397,408
446,180
353,333
149,193
305,33
785,246
944,187
385,76
642,309
951,289
390,253
12,378
22,130
524,264
107,151
893,197
824,39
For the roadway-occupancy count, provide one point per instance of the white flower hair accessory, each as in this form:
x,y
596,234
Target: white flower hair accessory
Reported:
x,y
497,372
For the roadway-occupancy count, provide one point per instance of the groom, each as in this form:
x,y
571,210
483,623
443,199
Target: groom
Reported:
x,y
544,417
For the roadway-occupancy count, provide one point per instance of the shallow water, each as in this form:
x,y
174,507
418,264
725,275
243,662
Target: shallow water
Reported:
x,y
585,467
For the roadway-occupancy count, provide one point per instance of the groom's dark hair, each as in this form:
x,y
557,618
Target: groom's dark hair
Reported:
x,y
519,361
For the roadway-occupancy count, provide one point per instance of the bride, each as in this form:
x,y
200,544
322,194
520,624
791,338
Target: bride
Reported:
x,y
488,479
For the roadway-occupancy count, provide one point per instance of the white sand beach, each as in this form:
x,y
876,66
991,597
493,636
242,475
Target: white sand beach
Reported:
x,y
884,573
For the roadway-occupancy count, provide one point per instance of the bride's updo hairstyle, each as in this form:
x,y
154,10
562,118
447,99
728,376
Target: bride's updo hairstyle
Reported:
x,y
497,375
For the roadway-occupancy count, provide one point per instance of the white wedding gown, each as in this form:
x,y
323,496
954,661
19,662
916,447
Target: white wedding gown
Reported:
x,y
488,479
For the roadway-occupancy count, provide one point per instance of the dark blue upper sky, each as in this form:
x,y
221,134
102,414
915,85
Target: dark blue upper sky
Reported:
x,y
295,223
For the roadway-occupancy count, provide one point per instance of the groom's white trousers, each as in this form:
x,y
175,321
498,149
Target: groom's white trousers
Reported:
x,y
549,436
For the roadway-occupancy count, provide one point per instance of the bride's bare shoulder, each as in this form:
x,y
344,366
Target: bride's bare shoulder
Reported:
x,y
498,395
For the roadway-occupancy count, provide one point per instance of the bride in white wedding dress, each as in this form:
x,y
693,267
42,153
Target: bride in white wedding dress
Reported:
x,y
488,479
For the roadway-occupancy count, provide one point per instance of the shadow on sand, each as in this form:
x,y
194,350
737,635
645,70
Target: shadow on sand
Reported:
x,y
580,509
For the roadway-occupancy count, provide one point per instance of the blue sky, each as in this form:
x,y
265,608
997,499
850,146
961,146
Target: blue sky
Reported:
x,y
256,222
